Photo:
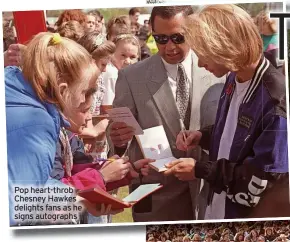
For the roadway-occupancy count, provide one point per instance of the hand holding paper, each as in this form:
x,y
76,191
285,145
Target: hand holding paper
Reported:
x,y
124,115
97,209
98,196
141,166
183,169
160,165
124,126
141,192
121,133
154,145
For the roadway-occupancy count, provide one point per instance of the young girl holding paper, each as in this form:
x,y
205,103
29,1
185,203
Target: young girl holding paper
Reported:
x,y
110,175
85,171
40,99
69,146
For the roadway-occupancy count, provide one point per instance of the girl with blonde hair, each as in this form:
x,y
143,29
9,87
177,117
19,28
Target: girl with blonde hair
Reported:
x,y
127,53
46,95
127,50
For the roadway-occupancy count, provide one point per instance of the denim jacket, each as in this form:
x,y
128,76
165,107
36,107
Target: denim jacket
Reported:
x,y
32,128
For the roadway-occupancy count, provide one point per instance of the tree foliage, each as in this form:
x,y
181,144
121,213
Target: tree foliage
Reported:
x,y
54,13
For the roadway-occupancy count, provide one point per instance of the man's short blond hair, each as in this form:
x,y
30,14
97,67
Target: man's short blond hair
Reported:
x,y
226,34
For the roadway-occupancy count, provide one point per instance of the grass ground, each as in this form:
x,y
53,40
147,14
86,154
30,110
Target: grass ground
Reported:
x,y
126,216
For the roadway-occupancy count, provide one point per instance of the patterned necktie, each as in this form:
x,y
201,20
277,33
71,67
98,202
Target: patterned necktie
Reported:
x,y
182,92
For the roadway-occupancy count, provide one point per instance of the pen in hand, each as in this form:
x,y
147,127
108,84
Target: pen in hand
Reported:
x,y
183,130
102,161
105,159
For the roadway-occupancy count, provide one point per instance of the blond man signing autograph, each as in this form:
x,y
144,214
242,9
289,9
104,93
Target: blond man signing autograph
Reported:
x,y
248,143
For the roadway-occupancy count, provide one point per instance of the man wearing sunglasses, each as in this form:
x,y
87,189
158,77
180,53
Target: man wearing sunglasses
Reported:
x,y
162,90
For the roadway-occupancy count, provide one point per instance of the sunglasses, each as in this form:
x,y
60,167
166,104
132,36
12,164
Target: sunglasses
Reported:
x,y
163,39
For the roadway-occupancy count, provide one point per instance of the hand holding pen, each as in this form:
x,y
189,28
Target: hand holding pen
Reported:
x,y
186,139
183,130
109,169
104,160
114,169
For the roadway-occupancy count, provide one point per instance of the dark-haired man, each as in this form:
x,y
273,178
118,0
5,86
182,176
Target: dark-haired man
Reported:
x,y
161,90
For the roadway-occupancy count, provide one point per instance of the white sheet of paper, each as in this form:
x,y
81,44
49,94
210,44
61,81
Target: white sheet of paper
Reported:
x,y
159,165
141,192
155,144
125,115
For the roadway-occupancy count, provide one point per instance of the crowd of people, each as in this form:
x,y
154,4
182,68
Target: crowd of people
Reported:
x,y
262,231
75,23
211,78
